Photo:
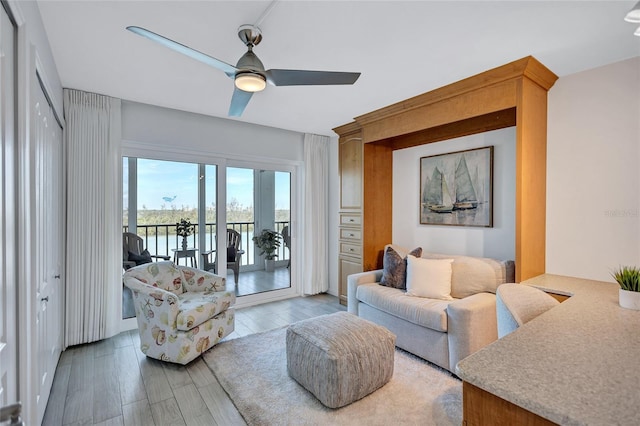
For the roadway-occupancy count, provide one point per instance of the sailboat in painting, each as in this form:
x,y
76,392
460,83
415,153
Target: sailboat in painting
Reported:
x,y
438,198
466,197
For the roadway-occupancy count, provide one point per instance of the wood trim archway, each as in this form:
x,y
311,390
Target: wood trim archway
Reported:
x,y
514,94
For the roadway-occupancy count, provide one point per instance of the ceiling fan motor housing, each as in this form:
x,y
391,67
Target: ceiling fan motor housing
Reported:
x,y
250,62
250,35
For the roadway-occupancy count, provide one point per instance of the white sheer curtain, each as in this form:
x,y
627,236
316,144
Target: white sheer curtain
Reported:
x,y
315,273
94,237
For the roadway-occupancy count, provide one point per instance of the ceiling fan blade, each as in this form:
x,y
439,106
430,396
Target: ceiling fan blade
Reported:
x,y
239,102
279,77
228,69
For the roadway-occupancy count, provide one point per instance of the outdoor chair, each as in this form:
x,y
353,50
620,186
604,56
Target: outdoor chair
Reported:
x,y
234,255
134,253
286,237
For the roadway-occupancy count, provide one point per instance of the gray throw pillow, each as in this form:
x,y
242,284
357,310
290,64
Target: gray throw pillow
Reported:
x,y
140,259
394,268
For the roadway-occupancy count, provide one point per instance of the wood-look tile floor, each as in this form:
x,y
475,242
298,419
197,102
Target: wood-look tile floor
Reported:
x,y
112,383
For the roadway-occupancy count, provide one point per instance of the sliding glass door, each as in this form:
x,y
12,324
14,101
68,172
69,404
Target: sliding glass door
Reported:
x,y
158,194
259,200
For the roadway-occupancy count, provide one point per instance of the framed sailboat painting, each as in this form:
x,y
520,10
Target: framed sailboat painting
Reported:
x,y
457,188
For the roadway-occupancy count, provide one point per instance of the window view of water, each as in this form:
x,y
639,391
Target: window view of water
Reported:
x,y
163,244
165,192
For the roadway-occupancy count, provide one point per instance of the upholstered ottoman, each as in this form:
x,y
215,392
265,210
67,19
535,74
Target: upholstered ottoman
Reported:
x,y
340,357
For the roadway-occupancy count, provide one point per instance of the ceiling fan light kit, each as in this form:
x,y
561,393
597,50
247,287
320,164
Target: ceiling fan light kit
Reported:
x,y
249,74
250,82
633,16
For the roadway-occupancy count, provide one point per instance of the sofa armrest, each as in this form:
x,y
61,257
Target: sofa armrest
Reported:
x,y
153,302
353,281
471,326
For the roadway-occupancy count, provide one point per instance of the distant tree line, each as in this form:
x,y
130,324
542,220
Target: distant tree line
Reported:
x,y
236,212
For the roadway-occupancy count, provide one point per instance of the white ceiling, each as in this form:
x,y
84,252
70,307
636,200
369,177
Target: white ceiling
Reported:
x,y
402,49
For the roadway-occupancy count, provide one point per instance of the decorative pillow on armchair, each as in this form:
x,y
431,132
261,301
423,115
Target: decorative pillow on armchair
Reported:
x,y
140,259
394,273
231,254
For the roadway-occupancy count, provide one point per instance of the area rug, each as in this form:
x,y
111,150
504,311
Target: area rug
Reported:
x,y
253,372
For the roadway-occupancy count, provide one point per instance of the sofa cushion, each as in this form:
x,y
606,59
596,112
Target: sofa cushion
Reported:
x,y
429,277
164,275
197,307
394,264
471,275
430,313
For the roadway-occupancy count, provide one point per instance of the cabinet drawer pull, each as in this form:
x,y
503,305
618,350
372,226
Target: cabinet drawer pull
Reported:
x,y
351,249
351,235
350,220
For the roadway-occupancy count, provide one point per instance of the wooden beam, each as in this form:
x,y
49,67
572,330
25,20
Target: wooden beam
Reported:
x,y
474,103
470,126
468,93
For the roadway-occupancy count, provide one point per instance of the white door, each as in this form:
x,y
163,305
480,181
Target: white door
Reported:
x,y
47,144
8,294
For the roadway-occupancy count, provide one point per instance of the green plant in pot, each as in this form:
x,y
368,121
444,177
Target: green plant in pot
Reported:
x,y
184,228
268,242
628,277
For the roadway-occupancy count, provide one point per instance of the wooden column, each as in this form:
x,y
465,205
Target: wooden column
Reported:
x,y
378,205
531,179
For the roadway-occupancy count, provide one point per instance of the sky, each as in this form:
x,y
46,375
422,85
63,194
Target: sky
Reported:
x,y
167,183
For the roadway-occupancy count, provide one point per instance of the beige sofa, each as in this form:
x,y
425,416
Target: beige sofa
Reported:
x,y
440,331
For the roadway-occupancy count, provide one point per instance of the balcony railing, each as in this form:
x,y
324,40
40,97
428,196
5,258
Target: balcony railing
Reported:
x,y
160,239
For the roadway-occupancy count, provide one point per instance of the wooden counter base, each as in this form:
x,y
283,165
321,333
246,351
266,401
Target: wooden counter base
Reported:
x,y
482,408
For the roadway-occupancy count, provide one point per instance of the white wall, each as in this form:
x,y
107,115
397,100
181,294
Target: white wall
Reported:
x,y
593,178
497,242
196,132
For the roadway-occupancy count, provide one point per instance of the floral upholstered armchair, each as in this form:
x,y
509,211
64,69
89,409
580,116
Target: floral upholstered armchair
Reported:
x,y
181,311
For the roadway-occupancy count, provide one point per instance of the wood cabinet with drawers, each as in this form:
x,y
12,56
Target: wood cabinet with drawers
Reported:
x,y
350,223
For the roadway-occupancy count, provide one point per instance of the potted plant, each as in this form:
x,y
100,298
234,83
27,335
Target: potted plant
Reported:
x,y
184,228
628,277
268,242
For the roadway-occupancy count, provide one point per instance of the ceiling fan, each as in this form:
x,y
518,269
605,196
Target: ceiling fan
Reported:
x,y
249,74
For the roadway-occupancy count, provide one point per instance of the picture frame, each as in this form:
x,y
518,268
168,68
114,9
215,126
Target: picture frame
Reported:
x,y
456,188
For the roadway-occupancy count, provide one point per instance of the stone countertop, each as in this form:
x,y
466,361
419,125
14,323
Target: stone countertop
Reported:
x,y
576,364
